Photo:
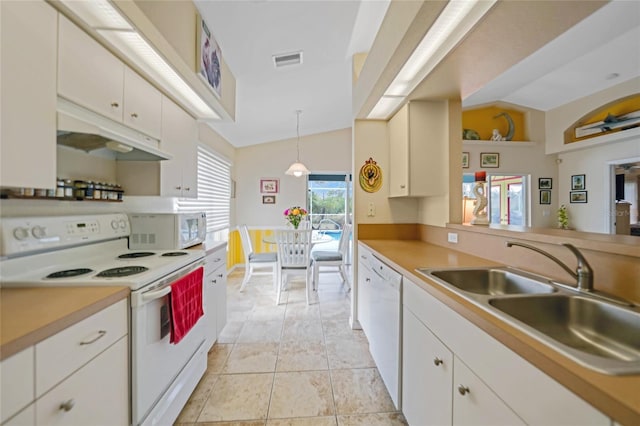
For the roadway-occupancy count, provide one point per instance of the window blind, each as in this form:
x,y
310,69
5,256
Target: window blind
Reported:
x,y
214,190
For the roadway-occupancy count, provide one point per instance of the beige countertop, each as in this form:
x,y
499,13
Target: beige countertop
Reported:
x,y
30,315
616,396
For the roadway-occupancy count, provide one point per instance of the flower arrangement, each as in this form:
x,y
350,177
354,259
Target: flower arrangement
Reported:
x,y
563,217
294,215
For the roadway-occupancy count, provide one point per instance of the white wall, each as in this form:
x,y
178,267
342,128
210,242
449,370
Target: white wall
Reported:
x,y
371,141
594,163
591,157
328,152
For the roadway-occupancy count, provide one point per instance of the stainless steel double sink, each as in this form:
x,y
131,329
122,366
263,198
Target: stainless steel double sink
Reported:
x,y
600,334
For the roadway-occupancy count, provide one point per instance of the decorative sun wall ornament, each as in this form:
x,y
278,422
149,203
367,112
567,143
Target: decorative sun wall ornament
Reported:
x,y
370,176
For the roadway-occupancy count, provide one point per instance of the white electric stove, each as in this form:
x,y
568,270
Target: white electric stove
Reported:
x,y
92,250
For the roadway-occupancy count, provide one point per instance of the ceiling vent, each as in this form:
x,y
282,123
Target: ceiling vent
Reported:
x,y
287,59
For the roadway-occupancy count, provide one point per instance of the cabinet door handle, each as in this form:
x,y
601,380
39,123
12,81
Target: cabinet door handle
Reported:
x,y
134,115
101,334
437,361
187,188
115,105
67,405
402,186
178,187
220,275
463,390
368,280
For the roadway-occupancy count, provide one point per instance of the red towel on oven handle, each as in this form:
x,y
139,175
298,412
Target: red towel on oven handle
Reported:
x,y
186,304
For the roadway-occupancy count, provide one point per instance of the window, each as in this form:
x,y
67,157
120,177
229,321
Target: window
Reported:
x,y
214,193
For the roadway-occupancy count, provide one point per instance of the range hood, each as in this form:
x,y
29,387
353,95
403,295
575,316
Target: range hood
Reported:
x,y
82,129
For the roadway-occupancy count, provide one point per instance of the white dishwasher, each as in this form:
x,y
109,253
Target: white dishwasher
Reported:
x,y
382,290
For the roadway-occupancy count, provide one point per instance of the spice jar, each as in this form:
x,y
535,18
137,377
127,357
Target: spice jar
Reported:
x,y
97,191
59,188
88,193
79,189
68,188
40,192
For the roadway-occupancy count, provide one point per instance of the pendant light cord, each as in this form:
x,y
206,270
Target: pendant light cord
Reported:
x,y
298,133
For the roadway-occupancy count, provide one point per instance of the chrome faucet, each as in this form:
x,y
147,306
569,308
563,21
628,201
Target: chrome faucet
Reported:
x,y
583,274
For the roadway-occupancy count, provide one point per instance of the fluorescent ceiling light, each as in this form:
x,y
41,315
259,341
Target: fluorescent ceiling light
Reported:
x,y
98,14
385,106
455,21
109,23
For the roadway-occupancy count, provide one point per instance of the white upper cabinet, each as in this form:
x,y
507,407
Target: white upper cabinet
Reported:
x,y
88,74
28,103
91,76
418,147
142,104
179,176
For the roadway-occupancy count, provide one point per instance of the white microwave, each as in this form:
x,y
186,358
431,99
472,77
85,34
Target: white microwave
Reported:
x,y
166,231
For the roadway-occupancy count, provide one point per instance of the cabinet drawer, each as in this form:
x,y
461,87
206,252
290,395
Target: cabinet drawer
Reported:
x,y
214,261
97,394
16,378
65,352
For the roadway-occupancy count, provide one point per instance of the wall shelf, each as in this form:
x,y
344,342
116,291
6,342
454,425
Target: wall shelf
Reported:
x,y
24,197
497,143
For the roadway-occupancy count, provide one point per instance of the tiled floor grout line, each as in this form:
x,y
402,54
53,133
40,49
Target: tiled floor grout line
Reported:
x,y
329,316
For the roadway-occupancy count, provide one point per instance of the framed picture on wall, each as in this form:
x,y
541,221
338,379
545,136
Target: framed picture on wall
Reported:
x,y
544,183
209,58
545,196
578,196
578,183
269,186
465,160
268,199
489,160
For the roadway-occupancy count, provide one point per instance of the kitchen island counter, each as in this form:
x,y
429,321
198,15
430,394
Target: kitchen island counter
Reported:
x,y
616,396
29,315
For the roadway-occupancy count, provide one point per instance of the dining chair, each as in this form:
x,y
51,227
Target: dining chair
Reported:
x,y
333,258
256,263
294,257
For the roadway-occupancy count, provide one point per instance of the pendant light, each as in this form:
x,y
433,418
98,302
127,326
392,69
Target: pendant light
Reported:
x,y
297,169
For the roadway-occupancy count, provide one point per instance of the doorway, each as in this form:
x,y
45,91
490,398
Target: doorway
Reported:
x,y
330,205
625,196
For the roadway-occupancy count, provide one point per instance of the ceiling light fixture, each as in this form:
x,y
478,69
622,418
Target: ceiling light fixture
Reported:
x,y
297,169
103,17
453,23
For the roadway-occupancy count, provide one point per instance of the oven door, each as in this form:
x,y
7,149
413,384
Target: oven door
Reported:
x,y
162,372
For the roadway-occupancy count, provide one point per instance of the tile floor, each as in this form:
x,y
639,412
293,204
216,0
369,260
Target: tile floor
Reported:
x,y
292,364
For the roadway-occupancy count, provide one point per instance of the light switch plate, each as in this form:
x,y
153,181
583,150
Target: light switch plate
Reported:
x,y
452,237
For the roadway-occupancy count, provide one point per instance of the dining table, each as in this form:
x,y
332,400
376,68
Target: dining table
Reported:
x,y
317,237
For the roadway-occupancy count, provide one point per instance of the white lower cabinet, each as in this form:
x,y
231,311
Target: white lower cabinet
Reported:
x,y
79,376
25,417
17,375
456,374
427,379
215,294
96,394
474,403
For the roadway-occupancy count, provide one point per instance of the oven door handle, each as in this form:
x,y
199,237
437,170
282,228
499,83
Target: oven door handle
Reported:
x,y
153,295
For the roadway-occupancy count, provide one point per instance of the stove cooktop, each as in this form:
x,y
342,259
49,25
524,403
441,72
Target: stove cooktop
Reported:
x,y
105,264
